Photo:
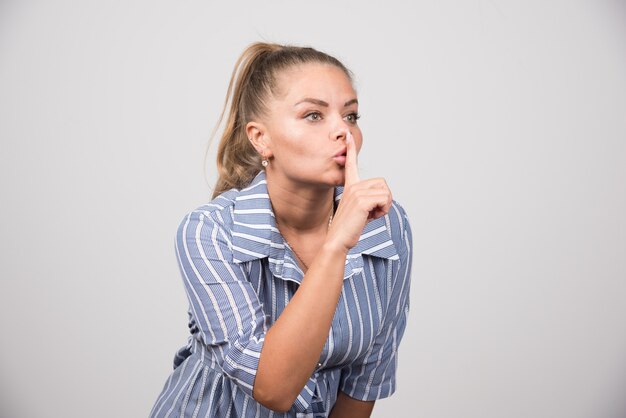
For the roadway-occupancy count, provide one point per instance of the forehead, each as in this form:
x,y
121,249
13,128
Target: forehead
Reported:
x,y
322,81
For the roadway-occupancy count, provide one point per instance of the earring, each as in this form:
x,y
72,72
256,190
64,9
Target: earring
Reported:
x,y
265,163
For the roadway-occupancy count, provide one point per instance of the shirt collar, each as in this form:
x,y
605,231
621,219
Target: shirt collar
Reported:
x,y
255,235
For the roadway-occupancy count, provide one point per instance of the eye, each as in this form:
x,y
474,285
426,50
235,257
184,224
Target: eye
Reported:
x,y
353,117
313,116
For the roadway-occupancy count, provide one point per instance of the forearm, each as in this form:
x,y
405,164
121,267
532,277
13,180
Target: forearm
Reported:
x,y
295,341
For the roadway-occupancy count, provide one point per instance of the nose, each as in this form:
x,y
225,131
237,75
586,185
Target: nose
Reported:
x,y
340,134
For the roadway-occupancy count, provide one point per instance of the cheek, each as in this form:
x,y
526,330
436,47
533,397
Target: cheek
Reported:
x,y
295,151
302,143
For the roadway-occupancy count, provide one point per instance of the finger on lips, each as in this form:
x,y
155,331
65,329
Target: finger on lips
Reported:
x,y
351,168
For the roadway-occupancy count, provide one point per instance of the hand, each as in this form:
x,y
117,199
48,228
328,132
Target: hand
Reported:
x,y
362,201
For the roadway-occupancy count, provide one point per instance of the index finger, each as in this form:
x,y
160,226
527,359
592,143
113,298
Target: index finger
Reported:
x,y
351,168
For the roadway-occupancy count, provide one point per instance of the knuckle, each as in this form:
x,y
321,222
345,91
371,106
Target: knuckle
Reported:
x,y
380,182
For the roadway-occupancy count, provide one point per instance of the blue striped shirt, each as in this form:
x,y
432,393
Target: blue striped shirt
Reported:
x,y
239,275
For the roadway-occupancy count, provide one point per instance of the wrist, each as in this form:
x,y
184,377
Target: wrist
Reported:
x,y
335,248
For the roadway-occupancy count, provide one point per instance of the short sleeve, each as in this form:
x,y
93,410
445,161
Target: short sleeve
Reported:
x,y
373,375
226,309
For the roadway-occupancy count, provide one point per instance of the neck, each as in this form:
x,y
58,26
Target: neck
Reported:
x,y
300,208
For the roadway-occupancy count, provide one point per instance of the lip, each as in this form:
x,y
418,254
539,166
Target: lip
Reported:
x,y
340,159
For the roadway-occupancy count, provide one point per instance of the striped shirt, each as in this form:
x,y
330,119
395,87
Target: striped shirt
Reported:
x,y
239,274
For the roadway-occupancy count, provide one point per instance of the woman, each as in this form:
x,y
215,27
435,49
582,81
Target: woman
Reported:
x,y
298,287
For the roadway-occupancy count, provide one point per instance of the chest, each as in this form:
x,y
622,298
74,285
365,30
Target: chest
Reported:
x,y
362,306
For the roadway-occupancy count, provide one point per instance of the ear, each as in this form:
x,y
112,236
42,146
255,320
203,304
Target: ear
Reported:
x,y
257,134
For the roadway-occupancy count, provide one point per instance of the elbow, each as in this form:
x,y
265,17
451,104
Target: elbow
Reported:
x,y
273,399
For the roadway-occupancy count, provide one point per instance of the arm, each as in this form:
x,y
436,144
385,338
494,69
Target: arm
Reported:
x,y
295,341
274,365
347,407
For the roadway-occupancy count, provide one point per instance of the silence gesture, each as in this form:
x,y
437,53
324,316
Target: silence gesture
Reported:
x,y
362,200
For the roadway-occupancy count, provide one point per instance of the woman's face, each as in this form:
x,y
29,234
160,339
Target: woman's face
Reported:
x,y
307,123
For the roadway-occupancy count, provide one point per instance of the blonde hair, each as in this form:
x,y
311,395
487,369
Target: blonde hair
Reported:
x,y
252,81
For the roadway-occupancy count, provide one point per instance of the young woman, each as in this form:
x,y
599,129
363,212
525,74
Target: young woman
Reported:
x,y
298,271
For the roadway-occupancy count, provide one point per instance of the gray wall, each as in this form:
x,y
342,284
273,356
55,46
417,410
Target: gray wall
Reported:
x,y
500,126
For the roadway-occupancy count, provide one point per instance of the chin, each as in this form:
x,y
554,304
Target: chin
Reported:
x,y
328,178
338,181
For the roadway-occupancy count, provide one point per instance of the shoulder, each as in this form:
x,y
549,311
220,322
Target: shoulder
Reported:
x,y
399,227
217,212
221,210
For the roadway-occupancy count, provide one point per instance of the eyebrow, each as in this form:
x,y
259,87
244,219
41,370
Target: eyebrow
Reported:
x,y
323,103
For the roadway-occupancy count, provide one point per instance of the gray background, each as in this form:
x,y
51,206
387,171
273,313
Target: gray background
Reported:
x,y
499,125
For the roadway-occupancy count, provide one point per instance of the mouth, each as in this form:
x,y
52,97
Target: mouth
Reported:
x,y
340,157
